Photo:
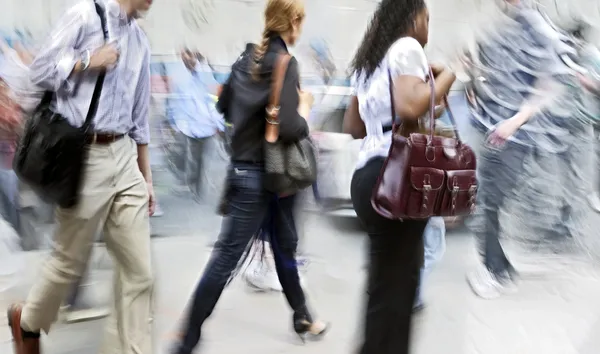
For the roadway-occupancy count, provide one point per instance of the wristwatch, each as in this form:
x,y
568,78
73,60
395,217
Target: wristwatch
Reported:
x,y
85,60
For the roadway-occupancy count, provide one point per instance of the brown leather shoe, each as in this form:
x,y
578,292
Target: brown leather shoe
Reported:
x,y
22,345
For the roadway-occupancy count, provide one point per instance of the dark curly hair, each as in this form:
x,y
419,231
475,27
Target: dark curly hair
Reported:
x,y
392,19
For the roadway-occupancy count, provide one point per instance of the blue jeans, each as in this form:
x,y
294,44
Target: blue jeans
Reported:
x,y
434,242
249,205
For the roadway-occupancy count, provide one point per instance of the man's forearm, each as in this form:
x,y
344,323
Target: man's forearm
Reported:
x,y
144,162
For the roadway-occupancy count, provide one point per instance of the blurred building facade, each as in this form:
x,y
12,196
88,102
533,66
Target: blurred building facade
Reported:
x,y
221,27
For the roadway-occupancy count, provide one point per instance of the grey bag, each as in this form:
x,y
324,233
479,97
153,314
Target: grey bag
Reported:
x,y
289,167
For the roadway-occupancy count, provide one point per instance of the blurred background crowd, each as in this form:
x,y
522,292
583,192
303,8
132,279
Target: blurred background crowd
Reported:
x,y
193,45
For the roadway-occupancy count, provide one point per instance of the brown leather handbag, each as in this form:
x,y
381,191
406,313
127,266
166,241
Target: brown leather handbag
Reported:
x,y
425,175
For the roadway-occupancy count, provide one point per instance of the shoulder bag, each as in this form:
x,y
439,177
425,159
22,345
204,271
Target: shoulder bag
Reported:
x,y
289,167
425,175
51,153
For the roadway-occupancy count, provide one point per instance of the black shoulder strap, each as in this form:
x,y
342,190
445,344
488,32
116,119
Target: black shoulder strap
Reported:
x,y
98,88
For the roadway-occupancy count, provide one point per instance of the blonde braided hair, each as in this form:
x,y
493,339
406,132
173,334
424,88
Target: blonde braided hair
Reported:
x,y
280,16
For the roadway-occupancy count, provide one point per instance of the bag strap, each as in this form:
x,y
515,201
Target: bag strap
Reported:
x,y
100,81
432,109
272,110
49,95
397,123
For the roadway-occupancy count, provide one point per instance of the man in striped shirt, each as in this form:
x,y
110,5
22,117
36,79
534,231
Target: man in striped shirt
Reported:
x,y
117,193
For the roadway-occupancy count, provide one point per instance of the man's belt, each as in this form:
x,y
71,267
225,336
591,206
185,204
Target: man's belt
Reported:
x,y
102,138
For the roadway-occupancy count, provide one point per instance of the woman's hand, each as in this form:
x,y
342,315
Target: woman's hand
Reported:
x,y
439,110
306,98
306,102
437,69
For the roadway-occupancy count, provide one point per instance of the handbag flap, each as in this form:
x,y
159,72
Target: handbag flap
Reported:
x,y
426,178
461,180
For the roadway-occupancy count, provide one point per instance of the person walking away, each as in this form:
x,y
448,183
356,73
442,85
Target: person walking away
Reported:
x,y
244,102
391,48
116,193
193,112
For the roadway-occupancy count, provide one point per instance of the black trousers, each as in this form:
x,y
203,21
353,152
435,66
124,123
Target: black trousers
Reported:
x,y
395,260
249,204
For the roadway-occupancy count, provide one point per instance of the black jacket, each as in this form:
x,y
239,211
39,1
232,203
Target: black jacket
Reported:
x,y
243,101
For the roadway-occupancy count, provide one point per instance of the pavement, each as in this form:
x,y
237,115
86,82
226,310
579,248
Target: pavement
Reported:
x,y
554,312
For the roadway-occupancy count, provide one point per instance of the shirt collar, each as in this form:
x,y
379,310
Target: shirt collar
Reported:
x,y
114,9
277,44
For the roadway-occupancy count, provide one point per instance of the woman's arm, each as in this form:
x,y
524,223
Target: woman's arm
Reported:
x,y
412,95
353,123
409,70
292,126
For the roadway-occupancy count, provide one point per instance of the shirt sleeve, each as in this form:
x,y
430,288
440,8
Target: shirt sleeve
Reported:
x,y
292,126
408,58
56,58
141,107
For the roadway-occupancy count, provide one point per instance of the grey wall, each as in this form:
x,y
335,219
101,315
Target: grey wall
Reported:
x,y
221,27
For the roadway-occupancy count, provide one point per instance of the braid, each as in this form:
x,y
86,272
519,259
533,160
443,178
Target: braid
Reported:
x,y
259,53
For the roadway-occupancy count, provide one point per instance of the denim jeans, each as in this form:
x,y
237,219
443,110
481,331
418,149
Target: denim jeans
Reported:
x,y
249,204
434,243
8,197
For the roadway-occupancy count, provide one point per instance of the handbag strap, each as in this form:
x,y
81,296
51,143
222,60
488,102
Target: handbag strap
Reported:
x,y
432,109
49,95
397,123
272,110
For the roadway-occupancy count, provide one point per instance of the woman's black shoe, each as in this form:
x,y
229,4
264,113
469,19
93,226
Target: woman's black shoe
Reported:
x,y
310,330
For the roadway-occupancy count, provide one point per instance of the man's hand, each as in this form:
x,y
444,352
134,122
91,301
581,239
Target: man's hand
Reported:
x,y
504,130
589,84
151,199
104,57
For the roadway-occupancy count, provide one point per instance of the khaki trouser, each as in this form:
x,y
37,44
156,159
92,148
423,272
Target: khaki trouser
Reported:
x,y
114,196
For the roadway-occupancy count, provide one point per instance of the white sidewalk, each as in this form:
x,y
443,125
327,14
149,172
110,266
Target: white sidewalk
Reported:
x,y
548,315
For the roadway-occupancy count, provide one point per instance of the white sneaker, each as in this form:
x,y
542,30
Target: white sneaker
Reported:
x,y
488,286
261,277
594,201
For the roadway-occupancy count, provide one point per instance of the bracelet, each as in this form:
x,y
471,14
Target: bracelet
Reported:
x,y
85,60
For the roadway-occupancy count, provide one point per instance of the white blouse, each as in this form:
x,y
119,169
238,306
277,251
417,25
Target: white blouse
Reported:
x,y
405,57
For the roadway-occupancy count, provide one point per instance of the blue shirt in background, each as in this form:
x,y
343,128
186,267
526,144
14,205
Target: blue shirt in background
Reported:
x,y
190,108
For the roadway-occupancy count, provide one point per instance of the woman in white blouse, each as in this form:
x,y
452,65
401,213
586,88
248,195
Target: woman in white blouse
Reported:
x,y
394,42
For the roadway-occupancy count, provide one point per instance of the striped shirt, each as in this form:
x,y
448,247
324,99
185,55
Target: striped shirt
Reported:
x,y
125,99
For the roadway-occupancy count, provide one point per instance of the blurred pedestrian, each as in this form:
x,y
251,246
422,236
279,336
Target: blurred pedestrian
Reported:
x,y
390,58
434,244
244,101
192,110
116,193
528,131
